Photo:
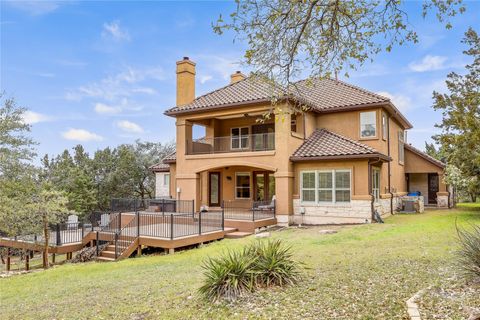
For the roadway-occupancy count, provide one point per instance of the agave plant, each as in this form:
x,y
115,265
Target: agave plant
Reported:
x,y
274,263
469,252
228,276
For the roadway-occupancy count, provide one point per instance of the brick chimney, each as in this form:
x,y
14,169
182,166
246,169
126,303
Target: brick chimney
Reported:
x,y
237,76
185,81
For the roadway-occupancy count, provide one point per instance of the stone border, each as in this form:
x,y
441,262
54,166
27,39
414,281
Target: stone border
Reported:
x,y
412,307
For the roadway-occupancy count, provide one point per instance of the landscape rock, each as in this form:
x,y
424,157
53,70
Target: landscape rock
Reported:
x,y
263,235
327,231
87,254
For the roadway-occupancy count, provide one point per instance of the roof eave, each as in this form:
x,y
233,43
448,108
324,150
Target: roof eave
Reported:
x,y
421,154
342,157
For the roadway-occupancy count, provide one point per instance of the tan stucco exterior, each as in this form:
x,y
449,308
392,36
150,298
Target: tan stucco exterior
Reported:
x,y
189,174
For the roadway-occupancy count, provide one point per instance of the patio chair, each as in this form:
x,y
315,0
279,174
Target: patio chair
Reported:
x,y
270,206
72,222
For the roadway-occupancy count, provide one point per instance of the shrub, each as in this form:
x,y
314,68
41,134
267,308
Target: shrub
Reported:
x,y
469,253
259,264
274,264
228,276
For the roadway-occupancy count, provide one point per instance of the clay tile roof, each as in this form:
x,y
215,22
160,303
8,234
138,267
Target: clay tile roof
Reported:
x,y
248,90
425,156
326,94
324,144
171,158
160,167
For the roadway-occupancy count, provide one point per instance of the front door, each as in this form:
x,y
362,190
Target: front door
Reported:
x,y
264,185
214,189
432,188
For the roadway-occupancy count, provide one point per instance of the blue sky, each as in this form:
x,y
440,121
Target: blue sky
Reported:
x,y
102,73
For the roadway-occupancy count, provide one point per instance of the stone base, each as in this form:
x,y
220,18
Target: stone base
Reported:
x,y
356,211
442,201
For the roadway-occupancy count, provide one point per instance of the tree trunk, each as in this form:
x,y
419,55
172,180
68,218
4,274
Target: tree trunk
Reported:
x,y
46,237
473,197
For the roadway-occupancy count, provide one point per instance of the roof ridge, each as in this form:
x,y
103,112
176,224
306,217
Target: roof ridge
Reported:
x,y
349,140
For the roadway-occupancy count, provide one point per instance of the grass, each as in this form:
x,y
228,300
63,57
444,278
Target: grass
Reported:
x,y
362,272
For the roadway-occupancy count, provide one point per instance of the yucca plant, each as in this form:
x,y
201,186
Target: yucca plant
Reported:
x,y
273,263
229,276
469,253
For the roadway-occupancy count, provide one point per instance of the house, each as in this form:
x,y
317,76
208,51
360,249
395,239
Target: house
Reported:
x,y
337,162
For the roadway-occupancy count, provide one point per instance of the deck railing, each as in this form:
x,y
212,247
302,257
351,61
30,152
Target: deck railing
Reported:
x,y
244,143
249,210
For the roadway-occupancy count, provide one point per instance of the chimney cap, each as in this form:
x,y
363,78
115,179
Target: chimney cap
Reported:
x,y
186,58
238,71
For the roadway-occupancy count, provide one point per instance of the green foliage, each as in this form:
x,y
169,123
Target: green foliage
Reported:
x,y
285,38
273,263
469,253
460,107
260,264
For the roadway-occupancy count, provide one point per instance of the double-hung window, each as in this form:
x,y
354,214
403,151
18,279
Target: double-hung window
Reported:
x,y
325,186
242,185
368,124
239,138
166,179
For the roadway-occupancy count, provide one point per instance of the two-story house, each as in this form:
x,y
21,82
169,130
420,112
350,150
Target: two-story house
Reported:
x,y
337,162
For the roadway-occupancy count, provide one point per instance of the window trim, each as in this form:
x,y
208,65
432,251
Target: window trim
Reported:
x,y
240,137
401,147
385,126
333,189
249,184
164,179
360,125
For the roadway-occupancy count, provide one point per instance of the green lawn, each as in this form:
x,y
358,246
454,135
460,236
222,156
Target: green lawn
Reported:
x,y
362,272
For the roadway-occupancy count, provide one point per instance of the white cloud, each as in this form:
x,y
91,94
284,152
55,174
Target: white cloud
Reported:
x,y
114,31
402,102
120,85
428,63
31,117
102,108
36,7
205,78
81,135
129,126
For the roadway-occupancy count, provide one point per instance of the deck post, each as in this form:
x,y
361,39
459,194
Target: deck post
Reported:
x,y
193,209
116,240
27,261
53,257
31,254
83,229
223,216
171,226
253,212
163,207
96,243
59,238
8,260
199,223
274,208
119,221
139,250
138,223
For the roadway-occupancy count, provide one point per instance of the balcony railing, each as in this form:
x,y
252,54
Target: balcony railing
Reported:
x,y
245,143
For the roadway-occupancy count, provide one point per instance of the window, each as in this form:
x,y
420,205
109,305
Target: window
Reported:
x,y
239,138
293,123
166,179
384,126
401,146
320,186
368,124
376,183
242,185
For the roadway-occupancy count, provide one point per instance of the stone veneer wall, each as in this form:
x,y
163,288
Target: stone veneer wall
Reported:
x,y
357,211
442,201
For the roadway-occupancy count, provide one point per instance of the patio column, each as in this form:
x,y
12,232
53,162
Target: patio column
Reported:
x,y
283,195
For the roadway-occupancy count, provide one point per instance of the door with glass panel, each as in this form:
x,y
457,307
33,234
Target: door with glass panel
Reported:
x,y
214,189
376,183
264,183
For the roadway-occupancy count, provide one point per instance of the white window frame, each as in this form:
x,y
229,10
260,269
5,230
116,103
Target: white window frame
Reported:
x,y
249,184
376,186
314,189
165,182
374,123
240,138
384,126
401,147
333,189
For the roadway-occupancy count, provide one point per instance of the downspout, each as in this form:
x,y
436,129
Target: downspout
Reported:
x,y
389,166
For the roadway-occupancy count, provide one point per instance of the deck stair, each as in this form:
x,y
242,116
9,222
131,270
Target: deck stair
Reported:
x,y
233,233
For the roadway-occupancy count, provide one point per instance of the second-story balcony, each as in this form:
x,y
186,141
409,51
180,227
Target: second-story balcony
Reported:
x,y
234,143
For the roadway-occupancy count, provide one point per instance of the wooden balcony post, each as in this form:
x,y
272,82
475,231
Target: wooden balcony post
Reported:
x,y
27,261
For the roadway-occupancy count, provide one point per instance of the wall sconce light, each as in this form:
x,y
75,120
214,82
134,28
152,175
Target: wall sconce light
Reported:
x,y
229,178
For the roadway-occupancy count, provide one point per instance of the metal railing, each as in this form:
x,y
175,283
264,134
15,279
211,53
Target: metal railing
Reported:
x,y
248,210
161,205
252,142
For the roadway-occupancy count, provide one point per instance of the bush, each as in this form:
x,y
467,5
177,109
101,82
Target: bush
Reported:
x,y
260,264
469,253
228,276
274,264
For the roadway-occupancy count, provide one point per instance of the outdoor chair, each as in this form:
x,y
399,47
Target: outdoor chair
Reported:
x,y
72,222
270,206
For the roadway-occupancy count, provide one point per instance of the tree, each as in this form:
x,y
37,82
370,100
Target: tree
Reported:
x,y
285,39
460,107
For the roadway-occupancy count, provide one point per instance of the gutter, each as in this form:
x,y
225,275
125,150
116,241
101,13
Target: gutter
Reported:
x,y
389,166
342,157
